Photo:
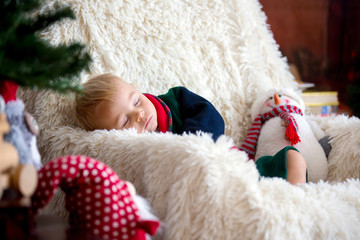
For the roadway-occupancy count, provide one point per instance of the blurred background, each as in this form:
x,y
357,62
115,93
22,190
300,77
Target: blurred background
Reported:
x,y
321,41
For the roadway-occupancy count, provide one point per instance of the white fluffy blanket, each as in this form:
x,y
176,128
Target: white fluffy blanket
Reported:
x,y
224,51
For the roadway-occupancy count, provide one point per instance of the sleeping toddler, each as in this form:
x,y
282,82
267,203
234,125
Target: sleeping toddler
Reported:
x,y
108,102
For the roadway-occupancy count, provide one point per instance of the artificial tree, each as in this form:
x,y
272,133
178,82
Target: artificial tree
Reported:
x,y
30,61
27,60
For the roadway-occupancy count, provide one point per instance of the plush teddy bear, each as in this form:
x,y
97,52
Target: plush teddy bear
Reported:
x,y
279,122
97,200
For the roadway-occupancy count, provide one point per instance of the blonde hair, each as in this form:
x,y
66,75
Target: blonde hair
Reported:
x,y
95,90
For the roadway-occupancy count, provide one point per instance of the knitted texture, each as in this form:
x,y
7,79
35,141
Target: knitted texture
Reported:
x,y
192,113
171,101
163,113
284,112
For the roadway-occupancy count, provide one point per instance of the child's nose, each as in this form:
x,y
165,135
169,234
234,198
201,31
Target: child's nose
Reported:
x,y
139,115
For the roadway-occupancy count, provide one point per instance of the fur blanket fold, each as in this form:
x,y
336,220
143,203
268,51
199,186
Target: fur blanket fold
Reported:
x,y
225,52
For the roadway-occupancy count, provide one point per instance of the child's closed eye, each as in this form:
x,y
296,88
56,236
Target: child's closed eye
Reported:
x,y
126,122
137,102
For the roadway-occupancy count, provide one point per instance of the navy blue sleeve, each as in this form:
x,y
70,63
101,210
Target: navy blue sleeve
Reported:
x,y
199,114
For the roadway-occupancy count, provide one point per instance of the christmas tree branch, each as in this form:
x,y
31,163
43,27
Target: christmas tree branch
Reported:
x,y
30,61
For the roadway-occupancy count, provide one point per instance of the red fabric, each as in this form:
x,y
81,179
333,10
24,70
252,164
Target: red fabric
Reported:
x,y
95,197
139,235
8,90
292,135
149,226
145,227
162,117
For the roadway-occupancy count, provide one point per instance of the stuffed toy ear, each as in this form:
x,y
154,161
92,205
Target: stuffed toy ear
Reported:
x,y
95,197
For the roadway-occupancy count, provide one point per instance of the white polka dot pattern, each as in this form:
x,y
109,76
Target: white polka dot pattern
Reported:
x,y
95,197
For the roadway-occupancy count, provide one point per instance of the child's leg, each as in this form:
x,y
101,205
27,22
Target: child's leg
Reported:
x,y
287,163
296,167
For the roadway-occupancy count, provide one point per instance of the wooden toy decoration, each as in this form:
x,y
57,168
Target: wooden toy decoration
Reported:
x,y
23,127
20,177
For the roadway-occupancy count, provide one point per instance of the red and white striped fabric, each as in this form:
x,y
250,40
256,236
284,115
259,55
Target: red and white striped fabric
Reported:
x,y
95,197
283,112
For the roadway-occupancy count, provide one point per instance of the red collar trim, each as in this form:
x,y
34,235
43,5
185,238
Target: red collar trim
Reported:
x,y
162,117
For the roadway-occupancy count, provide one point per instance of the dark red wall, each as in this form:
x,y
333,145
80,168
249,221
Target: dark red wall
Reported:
x,y
319,36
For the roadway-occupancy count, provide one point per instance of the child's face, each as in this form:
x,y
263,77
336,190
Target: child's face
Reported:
x,y
129,109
